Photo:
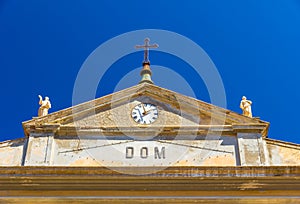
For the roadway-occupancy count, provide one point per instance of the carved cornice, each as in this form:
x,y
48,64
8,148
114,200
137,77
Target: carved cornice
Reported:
x,y
171,181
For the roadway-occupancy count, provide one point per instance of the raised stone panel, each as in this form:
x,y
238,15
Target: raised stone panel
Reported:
x,y
39,150
98,151
252,150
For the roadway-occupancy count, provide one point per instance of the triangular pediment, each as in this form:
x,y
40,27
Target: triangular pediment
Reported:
x,y
111,114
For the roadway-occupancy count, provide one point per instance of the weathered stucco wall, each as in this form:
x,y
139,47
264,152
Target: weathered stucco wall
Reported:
x,y
282,153
120,151
11,152
120,116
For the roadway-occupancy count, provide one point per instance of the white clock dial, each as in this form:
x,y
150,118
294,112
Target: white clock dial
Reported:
x,y
144,113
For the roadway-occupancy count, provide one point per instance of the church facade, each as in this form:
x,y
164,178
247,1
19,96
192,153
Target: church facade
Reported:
x,y
149,144
184,132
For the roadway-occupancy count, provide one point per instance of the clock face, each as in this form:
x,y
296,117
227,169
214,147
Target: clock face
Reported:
x,y
144,113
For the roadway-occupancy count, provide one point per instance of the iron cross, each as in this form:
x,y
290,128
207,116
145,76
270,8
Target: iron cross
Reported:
x,y
146,47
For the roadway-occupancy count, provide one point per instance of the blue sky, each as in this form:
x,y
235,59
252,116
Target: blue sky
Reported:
x,y
255,46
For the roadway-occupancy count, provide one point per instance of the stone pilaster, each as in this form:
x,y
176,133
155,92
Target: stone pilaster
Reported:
x,y
40,147
252,148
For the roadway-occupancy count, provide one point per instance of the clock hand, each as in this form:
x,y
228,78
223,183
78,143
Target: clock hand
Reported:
x,y
145,112
140,115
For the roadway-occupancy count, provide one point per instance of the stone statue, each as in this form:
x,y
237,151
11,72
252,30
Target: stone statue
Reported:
x,y
45,105
245,105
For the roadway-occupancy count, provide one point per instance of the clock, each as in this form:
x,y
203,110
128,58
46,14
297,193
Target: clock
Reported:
x,y
144,113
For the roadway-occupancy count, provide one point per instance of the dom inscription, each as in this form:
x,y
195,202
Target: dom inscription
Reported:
x,y
144,152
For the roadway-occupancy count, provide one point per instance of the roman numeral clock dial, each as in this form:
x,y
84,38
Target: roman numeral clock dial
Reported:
x,y
144,113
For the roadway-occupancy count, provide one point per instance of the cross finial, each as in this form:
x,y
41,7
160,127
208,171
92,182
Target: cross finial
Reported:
x,y
146,47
